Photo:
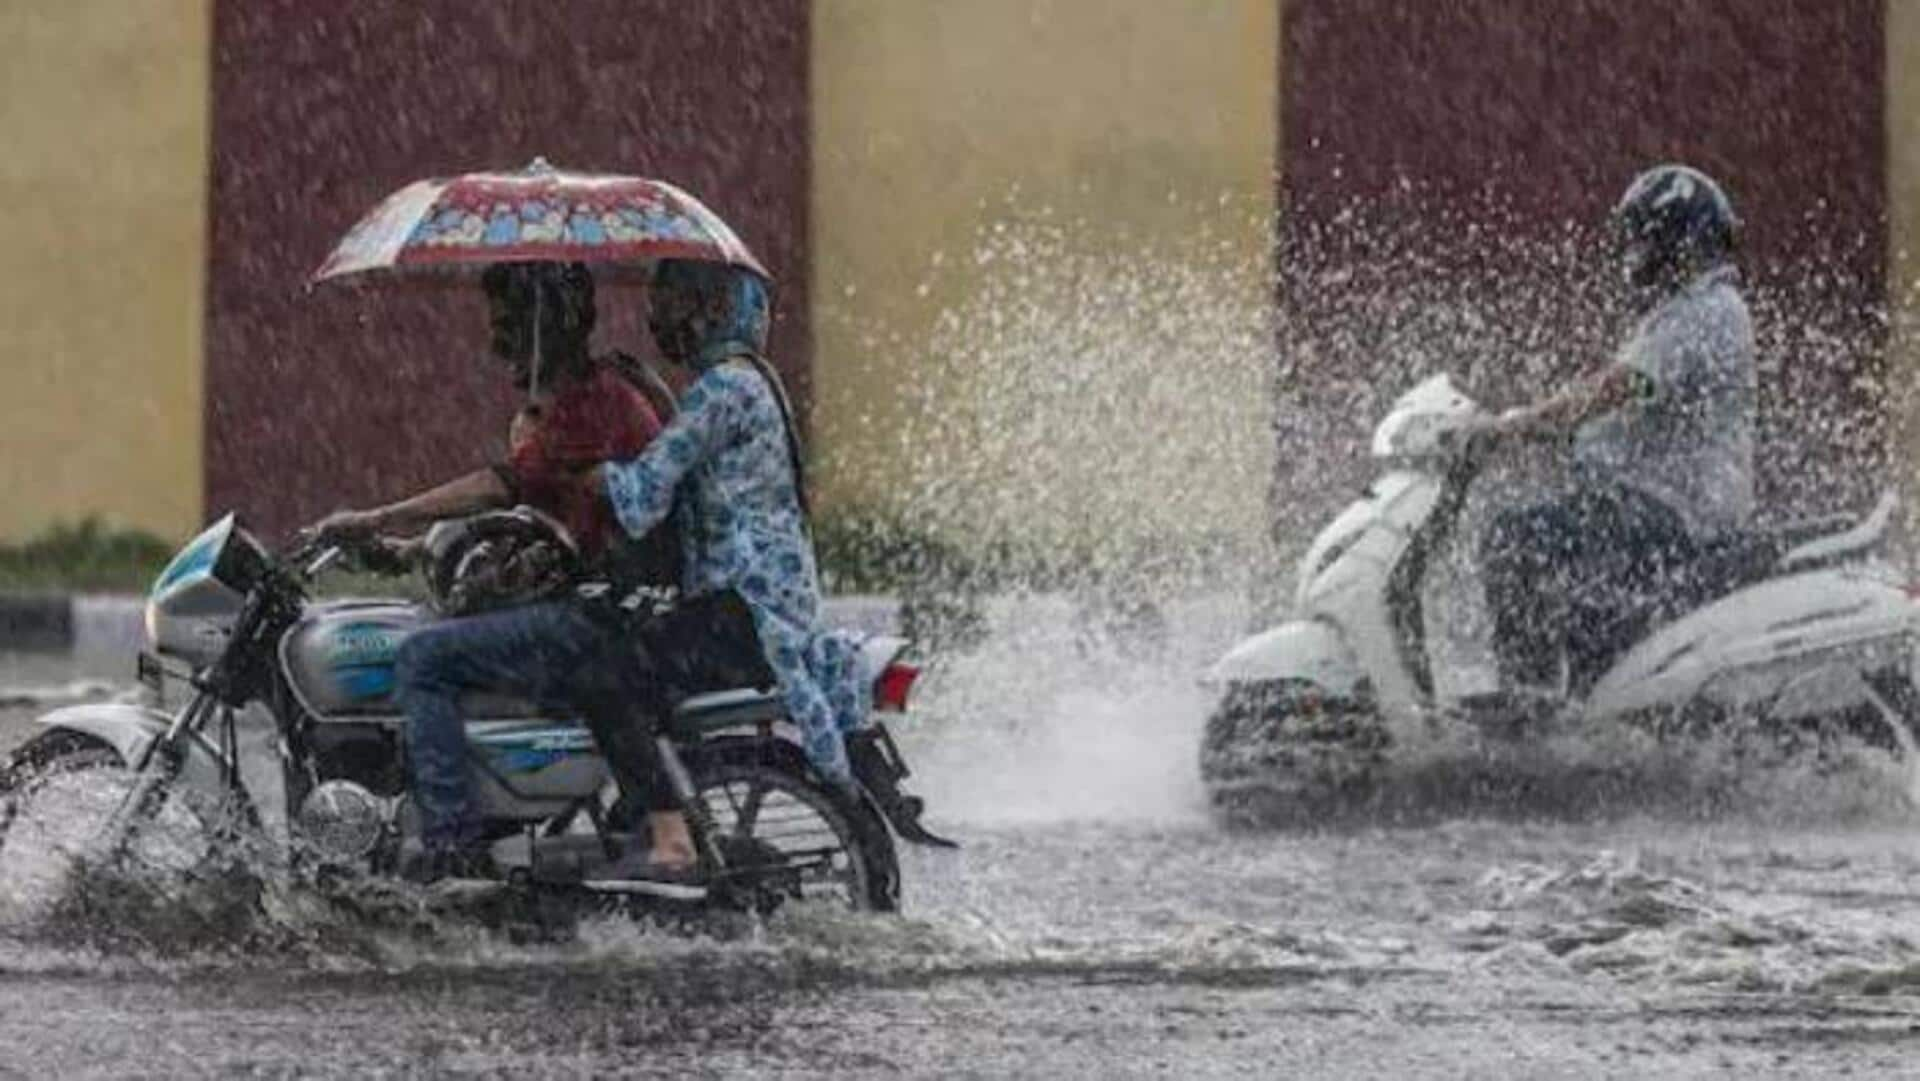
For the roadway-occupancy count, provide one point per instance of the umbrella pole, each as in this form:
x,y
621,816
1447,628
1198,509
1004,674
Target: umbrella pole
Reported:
x,y
533,380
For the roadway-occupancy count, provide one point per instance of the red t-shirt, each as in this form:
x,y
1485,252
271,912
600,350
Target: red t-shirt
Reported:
x,y
586,422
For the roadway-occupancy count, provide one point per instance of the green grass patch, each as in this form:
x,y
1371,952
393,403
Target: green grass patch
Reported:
x,y
89,556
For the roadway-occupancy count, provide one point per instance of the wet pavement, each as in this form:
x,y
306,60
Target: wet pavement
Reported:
x,y
1098,925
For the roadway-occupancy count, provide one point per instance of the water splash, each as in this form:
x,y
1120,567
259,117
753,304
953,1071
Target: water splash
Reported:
x,y
1048,721
1087,410
1102,422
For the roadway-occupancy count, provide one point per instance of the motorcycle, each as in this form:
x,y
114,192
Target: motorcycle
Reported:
x,y
238,626
1801,629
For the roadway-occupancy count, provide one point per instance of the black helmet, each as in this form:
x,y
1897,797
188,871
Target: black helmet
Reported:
x,y
1673,220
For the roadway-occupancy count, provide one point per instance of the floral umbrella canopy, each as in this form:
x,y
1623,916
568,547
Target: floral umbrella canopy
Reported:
x,y
540,213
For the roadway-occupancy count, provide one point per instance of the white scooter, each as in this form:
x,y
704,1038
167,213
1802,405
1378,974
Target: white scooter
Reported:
x,y
1803,627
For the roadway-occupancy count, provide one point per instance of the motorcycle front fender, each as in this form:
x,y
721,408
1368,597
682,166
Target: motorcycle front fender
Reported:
x,y
130,730
1308,650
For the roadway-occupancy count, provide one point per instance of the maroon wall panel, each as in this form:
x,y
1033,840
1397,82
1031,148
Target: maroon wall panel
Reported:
x,y
1460,154
349,394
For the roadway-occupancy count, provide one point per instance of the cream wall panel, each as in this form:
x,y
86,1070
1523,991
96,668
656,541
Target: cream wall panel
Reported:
x,y
1903,211
1136,140
103,113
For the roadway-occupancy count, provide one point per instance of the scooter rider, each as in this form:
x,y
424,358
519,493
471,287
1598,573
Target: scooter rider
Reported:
x,y
730,463
580,413
1662,443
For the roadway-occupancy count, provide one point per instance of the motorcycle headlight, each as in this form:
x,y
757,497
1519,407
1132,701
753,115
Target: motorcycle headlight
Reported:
x,y
152,617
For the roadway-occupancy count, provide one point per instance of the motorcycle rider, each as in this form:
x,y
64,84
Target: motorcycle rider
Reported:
x,y
728,468
1662,444
581,412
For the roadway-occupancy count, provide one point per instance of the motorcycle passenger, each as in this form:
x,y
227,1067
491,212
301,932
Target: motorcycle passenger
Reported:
x,y
1662,445
581,413
727,468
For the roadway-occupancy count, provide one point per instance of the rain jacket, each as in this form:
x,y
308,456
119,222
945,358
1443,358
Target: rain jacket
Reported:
x,y
742,528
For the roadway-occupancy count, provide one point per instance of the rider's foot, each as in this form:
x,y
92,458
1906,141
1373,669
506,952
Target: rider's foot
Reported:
x,y
441,863
672,874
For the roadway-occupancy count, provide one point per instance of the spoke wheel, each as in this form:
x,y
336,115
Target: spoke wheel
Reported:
x,y
55,802
783,838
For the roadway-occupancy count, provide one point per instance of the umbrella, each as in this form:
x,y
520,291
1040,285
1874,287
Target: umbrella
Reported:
x,y
538,214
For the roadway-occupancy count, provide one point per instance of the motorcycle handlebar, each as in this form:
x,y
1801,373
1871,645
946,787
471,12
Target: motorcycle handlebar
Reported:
x,y
1473,443
313,553
327,557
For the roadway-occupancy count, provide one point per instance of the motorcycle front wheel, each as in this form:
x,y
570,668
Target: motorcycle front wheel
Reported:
x,y
57,796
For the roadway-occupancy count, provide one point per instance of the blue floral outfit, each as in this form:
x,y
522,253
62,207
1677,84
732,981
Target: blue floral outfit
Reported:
x,y
742,527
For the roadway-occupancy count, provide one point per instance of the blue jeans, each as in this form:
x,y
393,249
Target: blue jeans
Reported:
x,y
1580,576
552,654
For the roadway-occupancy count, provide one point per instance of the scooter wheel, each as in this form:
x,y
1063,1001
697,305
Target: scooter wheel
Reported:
x,y
1279,754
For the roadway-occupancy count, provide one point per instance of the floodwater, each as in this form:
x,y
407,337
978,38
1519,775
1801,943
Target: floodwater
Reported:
x,y
1098,925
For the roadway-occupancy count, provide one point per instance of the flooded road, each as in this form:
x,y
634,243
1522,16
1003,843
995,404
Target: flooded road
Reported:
x,y
1098,925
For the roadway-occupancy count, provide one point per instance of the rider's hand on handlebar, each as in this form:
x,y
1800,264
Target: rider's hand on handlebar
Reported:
x,y
1480,435
349,525
388,555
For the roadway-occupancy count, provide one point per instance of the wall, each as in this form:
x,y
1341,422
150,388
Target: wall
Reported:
x,y
1903,234
1111,144
1483,141
342,396
1018,163
102,202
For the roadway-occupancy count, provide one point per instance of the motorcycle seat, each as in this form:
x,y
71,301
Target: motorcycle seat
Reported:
x,y
714,710
1743,557
1854,539
1791,535
1718,567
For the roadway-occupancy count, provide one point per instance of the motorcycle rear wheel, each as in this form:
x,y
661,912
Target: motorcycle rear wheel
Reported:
x,y
788,839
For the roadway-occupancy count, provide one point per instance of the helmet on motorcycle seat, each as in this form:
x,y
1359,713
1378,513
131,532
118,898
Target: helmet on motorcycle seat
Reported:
x,y
498,560
1672,221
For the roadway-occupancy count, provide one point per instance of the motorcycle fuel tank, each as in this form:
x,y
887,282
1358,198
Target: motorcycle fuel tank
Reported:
x,y
339,660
